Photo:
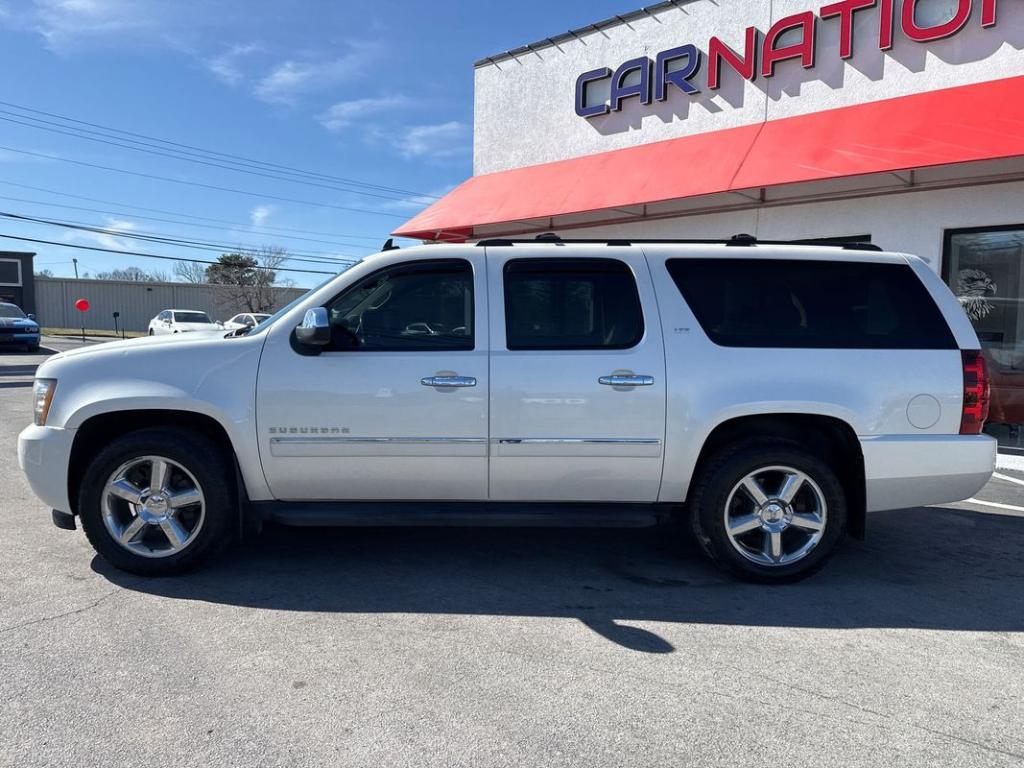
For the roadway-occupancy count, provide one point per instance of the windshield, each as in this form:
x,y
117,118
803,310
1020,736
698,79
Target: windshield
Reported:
x,y
191,317
9,310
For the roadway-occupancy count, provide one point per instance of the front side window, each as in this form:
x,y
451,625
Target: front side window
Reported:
x,y
804,304
417,306
571,304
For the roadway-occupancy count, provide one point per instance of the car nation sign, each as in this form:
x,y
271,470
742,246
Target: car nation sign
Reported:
x,y
684,67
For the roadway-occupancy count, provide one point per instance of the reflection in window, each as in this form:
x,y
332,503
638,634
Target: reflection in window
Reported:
x,y
985,269
425,306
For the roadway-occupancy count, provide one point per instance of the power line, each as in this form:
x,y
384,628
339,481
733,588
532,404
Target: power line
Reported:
x,y
80,134
250,230
149,255
174,239
188,215
244,160
170,180
161,240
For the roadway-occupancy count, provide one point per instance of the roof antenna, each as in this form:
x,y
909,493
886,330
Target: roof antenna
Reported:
x,y
390,245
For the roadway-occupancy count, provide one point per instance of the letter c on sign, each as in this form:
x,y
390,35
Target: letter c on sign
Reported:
x,y
582,82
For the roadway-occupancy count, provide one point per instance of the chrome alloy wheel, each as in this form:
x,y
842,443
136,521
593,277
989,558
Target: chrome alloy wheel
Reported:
x,y
775,516
153,507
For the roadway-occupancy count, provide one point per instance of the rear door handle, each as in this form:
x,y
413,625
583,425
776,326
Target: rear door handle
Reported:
x,y
626,381
448,381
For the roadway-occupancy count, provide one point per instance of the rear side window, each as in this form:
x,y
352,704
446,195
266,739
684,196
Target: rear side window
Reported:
x,y
811,304
571,304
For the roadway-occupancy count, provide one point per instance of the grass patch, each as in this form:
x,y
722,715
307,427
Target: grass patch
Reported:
x,y
107,334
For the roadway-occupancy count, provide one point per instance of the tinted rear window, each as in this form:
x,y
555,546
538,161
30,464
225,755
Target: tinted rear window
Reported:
x,y
811,304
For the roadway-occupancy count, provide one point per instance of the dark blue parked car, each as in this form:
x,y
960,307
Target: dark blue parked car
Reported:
x,y
18,328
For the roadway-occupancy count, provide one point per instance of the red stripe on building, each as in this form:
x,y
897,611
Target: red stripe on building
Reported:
x,y
954,125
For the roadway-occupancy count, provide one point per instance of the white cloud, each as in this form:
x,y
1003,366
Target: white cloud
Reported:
x,y
436,142
104,239
63,23
293,78
260,214
340,116
225,66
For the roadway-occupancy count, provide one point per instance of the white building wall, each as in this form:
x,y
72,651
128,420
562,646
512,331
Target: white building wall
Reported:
x,y
524,108
911,222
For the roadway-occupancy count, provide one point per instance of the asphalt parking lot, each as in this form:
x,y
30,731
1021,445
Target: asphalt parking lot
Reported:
x,y
493,648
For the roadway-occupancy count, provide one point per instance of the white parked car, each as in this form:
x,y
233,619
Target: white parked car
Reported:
x,y
182,321
245,320
773,393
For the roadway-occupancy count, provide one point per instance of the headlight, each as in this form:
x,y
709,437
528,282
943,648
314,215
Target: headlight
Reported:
x,y
42,396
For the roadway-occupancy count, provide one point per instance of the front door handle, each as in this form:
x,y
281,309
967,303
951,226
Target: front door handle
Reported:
x,y
626,381
448,381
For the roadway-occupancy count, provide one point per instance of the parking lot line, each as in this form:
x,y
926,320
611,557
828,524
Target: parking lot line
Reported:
x,y
1007,478
997,505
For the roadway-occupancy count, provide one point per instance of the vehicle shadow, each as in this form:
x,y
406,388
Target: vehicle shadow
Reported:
x,y
937,568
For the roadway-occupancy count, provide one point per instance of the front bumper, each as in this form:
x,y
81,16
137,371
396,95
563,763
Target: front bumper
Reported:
x,y
902,471
19,338
44,455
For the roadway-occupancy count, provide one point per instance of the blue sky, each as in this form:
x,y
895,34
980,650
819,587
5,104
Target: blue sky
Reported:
x,y
378,92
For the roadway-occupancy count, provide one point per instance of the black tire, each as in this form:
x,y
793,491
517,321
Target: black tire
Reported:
x,y
200,456
151,332
725,470
32,349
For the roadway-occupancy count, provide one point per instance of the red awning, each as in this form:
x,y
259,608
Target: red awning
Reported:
x,y
953,125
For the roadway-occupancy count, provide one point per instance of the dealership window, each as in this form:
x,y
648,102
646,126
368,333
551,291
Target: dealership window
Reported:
x,y
985,269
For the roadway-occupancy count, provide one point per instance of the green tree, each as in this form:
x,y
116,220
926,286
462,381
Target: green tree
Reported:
x,y
247,280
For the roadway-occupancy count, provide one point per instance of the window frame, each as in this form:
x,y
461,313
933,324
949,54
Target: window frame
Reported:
x,y
426,265
581,261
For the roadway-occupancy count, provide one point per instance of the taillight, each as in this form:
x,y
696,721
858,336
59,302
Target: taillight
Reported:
x,y
977,393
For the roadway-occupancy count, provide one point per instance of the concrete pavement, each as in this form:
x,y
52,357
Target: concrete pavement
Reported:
x,y
499,648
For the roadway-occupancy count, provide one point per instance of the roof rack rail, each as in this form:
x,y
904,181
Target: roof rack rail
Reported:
x,y
739,241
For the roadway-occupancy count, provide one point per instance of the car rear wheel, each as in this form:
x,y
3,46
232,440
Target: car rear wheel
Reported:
x,y
157,501
768,512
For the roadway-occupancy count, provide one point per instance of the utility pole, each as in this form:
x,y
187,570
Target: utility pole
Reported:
x,y
75,262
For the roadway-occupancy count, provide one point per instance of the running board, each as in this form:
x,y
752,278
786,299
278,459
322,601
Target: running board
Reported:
x,y
456,514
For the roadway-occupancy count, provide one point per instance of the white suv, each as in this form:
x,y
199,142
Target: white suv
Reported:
x,y
777,393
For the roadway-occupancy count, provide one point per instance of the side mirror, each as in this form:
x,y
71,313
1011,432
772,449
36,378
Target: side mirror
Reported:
x,y
315,329
30,316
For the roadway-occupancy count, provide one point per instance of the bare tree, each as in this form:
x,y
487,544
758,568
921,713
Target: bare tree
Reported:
x,y
247,280
190,271
134,275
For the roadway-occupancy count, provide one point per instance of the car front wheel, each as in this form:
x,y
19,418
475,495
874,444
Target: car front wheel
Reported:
x,y
769,511
157,501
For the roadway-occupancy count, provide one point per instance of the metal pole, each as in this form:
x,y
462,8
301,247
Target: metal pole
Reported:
x,y
75,262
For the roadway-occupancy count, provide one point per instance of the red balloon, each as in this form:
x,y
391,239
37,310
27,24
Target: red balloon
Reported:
x,y
82,305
